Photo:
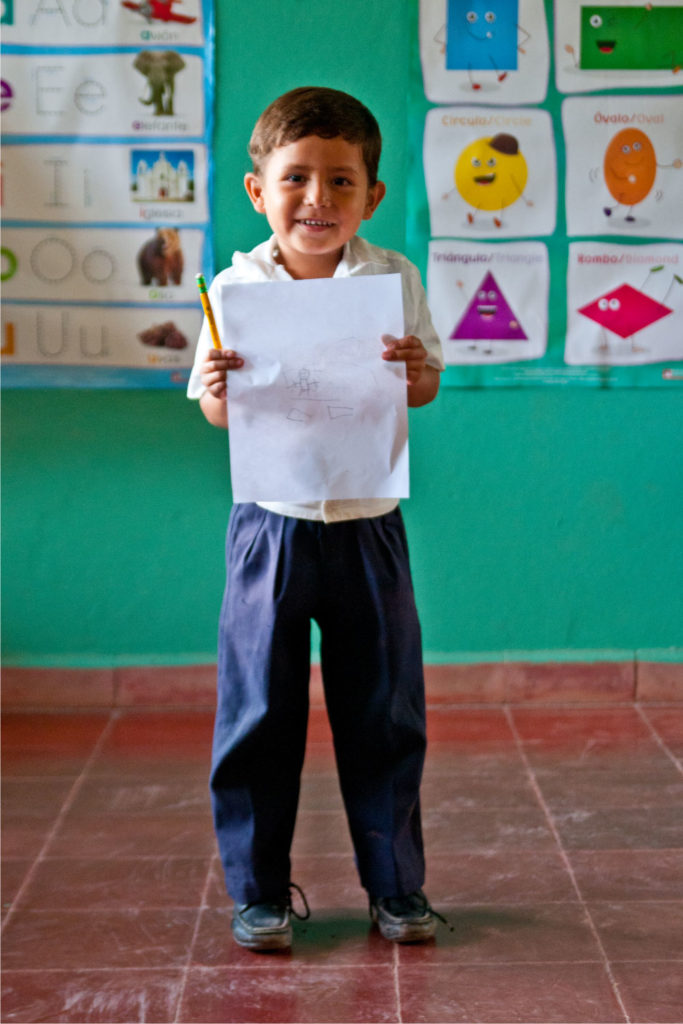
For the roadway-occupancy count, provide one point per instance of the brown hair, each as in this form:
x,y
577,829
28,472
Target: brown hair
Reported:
x,y
313,110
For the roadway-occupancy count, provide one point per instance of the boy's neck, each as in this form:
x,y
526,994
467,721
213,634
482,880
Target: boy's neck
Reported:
x,y
301,267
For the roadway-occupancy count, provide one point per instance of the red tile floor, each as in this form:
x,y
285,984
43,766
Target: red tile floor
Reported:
x,y
555,850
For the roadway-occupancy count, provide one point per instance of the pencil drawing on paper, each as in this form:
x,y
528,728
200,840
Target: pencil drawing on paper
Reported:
x,y
304,384
322,394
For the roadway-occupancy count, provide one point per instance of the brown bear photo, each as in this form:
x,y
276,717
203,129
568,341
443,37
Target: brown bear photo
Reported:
x,y
160,260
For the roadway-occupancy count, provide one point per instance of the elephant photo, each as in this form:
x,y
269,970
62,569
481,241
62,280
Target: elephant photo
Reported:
x,y
160,68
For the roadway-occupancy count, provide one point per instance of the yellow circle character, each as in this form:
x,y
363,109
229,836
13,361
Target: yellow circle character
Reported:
x,y
491,173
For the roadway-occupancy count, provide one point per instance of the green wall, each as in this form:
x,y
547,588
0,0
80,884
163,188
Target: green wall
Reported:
x,y
543,521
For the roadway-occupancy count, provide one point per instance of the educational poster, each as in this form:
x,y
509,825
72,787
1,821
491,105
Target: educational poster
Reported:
x,y
134,265
490,302
624,165
547,226
624,44
149,94
112,184
484,51
103,24
625,304
490,172
106,199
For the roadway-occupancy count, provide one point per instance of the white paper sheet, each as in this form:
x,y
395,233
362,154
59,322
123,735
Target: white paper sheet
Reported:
x,y
316,413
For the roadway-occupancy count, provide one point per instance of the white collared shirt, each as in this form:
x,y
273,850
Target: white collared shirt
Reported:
x,y
359,257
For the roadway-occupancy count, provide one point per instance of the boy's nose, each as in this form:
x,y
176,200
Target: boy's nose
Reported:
x,y
317,193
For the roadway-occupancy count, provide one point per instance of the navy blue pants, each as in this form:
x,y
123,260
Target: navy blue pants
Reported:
x,y
353,578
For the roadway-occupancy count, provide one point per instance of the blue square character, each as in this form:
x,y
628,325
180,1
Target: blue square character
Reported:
x,y
481,35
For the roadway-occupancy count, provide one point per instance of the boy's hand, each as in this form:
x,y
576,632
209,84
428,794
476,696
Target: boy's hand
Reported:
x,y
408,350
215,370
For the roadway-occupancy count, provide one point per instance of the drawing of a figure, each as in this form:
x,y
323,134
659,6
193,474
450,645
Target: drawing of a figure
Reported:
x,y
482,35
643,38
626,311
304,383
158,10
314,396
488,318
630,168
490,174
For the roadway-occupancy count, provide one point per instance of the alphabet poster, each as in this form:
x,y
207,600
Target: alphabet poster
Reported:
x,y
107,109
545,204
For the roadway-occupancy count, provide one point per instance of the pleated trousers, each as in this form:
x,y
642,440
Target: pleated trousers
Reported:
x,y
353,578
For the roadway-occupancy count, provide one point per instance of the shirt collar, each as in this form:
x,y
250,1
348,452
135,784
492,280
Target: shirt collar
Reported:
x,y
358,255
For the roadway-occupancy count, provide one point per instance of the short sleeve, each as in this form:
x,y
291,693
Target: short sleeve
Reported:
x,y
418,319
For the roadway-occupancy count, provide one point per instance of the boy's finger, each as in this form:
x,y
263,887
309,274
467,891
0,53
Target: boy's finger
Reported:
x,y
221,353
408,355
223,360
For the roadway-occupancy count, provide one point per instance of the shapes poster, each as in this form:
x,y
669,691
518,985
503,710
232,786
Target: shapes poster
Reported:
x,y
624,44
547,225
484,51
107,112
624,165
625,304
490,302
490,172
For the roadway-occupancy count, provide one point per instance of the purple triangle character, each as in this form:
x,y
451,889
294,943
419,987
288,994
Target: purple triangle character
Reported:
x,y
488,317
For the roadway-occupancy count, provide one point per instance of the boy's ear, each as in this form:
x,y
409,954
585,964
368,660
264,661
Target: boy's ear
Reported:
x,y
254,188
375,196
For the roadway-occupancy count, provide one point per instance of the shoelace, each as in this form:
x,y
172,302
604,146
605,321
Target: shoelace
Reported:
x,y
428,908
441,918
436,913
290,904
286,903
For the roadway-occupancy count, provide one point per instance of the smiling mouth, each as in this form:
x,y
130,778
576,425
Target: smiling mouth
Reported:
x,y
309,222
485,179
487,312
606,46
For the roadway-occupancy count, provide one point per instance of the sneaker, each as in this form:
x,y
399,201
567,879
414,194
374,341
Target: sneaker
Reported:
x,y
404,918
266,927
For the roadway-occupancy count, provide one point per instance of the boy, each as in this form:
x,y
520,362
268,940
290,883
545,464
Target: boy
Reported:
x,y
315,155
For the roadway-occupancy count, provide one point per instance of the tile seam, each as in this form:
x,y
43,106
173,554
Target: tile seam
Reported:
x,y
193,941
567,863
397,983
658,739
66,806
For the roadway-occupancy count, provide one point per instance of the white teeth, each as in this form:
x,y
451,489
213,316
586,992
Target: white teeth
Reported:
x,y
318,223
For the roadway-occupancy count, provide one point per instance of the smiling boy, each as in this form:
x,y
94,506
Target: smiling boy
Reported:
x,y
315,155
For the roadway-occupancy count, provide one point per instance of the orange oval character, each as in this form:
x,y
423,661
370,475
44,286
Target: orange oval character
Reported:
x,y
630,166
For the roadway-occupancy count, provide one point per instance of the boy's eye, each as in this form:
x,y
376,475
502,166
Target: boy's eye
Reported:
x,y
297,178
341,181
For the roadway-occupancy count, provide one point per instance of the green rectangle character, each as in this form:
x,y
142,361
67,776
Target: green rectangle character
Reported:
x,y
645,38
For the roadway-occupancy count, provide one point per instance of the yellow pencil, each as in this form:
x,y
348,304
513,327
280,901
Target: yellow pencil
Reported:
x,y
206,304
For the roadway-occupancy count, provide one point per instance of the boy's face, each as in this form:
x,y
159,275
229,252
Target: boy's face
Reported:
x,y
315,193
